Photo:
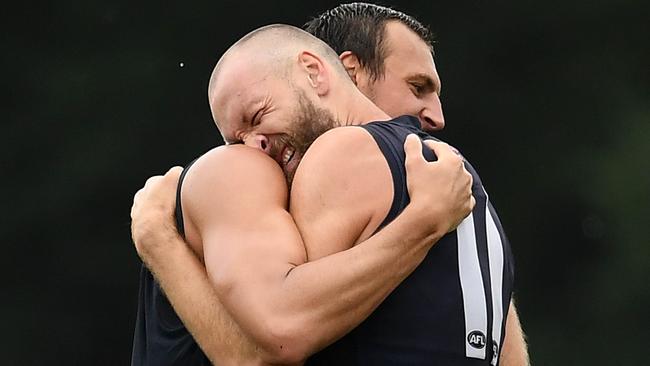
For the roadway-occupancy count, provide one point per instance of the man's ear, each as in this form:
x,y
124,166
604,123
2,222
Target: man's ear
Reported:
x,y
351,64
317,74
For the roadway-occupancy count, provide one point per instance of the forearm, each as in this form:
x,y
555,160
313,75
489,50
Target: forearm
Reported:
x,y
515,350
308,306
322,300
184,280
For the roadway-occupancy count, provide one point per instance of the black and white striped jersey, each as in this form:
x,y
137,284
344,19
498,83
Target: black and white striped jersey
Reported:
x,y
452,309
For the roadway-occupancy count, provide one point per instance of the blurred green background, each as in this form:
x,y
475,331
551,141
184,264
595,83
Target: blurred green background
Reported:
x,y
549,100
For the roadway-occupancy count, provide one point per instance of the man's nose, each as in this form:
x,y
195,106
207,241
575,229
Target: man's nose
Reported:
x,y
259,142
431,115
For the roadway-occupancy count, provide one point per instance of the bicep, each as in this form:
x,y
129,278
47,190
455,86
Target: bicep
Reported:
x,y
236,203
242,256
248,265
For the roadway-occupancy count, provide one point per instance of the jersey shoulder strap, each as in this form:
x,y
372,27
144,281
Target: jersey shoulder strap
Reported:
x,y
180,224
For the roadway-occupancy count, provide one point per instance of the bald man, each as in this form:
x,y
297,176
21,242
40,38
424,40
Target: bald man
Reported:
x,y
388,55
407,245
257,116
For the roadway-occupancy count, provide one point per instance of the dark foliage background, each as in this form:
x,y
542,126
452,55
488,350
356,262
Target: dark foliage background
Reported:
x,y
550,100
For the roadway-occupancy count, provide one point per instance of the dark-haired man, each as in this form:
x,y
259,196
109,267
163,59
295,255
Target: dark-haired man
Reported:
x,y
388,55
387,75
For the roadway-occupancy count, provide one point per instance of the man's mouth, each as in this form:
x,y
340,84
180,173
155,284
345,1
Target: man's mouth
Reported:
x,y
287,154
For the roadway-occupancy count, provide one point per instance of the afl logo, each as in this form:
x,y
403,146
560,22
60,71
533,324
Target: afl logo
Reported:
x,y
476,339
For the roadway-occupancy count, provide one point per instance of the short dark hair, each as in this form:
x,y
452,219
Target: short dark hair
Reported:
x,y
359,28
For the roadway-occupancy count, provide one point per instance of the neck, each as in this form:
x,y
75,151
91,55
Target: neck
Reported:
x,y
359,110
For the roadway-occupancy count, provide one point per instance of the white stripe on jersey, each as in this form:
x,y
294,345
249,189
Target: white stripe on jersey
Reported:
x,y
471,282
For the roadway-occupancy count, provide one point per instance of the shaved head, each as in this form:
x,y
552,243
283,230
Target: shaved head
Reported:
x,y
274,47
277,89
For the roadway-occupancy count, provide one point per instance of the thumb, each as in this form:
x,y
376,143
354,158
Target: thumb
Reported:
x,y
413,149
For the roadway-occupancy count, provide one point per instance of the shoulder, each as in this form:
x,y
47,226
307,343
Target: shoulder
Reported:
x,y
345,174
339,148
233,176
233,165
343,135
223,160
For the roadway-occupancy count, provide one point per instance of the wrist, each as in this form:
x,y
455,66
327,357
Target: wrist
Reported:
x,y
421,224
154,239
166,257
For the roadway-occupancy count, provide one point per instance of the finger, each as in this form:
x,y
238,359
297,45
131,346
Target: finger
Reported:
x,y
471,177
413,150
174,172
442,150
431,143
152,180
135,202
137,195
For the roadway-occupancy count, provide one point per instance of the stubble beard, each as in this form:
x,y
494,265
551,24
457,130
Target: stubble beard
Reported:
x,y
310,122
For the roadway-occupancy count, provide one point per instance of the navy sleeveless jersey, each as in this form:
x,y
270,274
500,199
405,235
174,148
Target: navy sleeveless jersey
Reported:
x,y
160,337
451,310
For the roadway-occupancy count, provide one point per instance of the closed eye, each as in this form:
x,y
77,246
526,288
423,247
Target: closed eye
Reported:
x,y
255,121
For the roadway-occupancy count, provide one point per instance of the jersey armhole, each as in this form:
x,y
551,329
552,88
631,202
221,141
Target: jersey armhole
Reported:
x,y
397,171
180,224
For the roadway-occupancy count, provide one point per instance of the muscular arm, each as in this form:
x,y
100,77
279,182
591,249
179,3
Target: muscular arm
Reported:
x,y
359,199
514,351
288,307
183,277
